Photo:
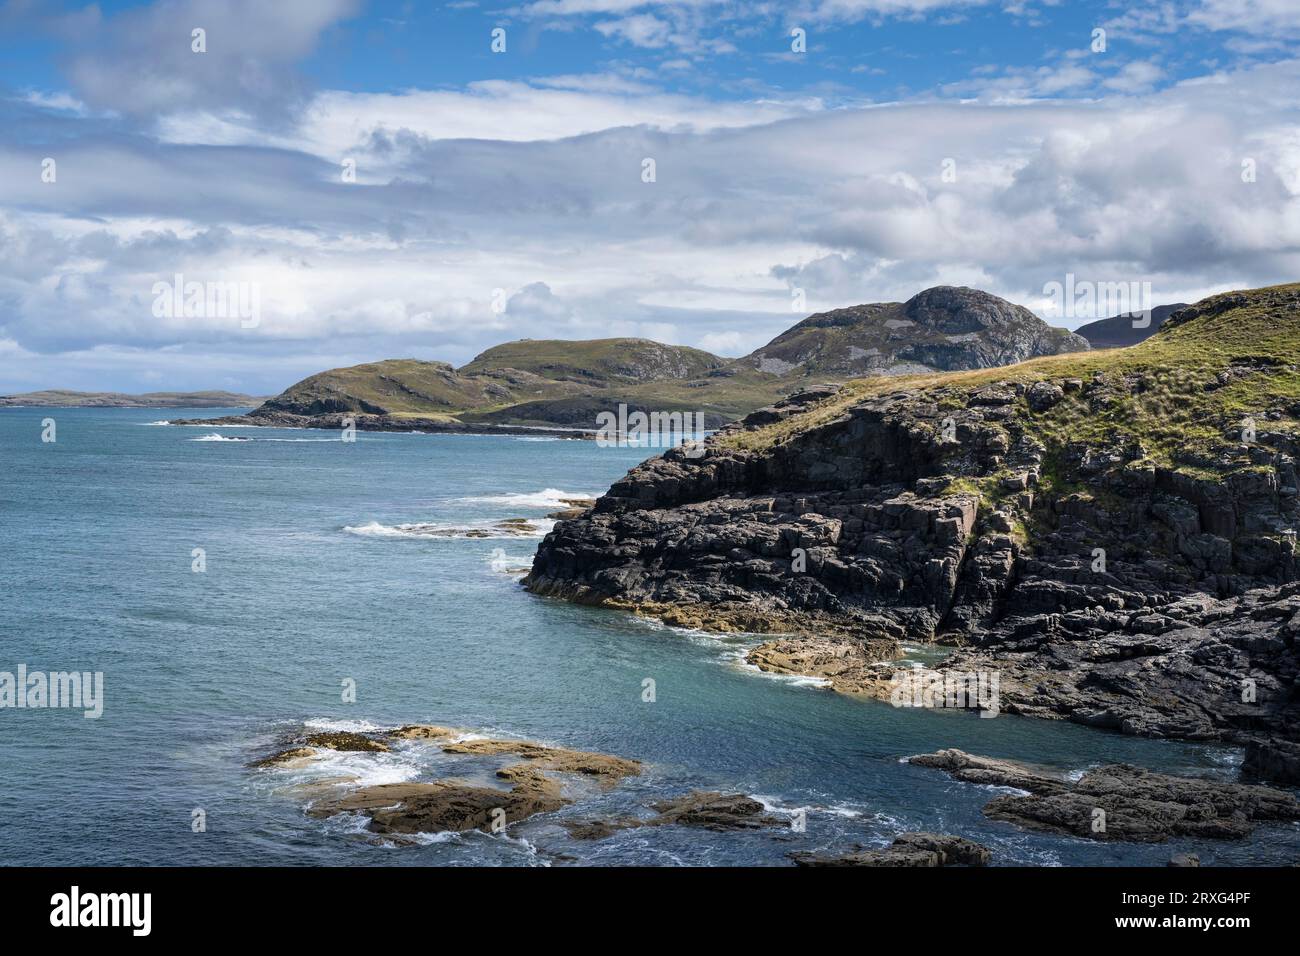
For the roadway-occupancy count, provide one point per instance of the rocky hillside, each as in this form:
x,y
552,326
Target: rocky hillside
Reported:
x,y
1114,531
946,328
562,383
1119,332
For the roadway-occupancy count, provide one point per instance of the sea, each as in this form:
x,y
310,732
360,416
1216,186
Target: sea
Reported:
x,y
238,588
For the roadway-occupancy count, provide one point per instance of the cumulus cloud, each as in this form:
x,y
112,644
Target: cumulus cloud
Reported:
x,y
534,193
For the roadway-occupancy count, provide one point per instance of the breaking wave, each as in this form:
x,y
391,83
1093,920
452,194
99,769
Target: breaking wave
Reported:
x,y
510,528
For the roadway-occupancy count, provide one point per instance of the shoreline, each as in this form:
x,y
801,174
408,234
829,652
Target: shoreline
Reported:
x,y
384,423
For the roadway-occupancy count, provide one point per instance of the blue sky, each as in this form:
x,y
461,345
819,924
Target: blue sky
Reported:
x,y
501,195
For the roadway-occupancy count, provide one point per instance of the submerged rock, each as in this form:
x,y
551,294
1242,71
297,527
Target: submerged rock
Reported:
x,y
908,849
599,829
1119,802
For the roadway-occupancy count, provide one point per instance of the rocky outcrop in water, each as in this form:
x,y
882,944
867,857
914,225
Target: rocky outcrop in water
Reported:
x,y
1119,802
536,782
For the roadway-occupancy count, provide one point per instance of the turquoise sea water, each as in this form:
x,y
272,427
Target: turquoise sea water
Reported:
x,y
311,580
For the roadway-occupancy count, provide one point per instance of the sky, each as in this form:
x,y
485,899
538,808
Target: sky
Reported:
x,y
400,179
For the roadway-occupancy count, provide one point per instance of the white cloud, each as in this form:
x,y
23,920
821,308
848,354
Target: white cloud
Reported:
x,y
1265,17
751,199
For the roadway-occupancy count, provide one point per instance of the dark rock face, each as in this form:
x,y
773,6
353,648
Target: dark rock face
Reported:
x,y
853,544
1273,760
908,849
1141,598
946,328
1119,802
1196,668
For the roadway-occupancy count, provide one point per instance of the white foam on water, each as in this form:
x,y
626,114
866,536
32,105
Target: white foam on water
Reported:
x,y
422,838
795,680
202,425
546,498
433,531
215,437
370,769
343,726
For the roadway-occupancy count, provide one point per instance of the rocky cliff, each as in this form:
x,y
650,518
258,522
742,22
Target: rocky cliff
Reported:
x,y
946,328
1115,532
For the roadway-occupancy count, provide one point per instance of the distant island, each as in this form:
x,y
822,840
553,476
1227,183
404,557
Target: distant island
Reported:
x,y
566,384
63,398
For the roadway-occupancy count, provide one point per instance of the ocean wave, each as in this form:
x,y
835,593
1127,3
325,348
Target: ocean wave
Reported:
x,y
342,726
432,531
509,563
197,425
737,658
215,437
546,498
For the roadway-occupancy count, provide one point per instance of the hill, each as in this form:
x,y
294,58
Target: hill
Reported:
x,y
598,361
517,373
1119,332
946,328
550,383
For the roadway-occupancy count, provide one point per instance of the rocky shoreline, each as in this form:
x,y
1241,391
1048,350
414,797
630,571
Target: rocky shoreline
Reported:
x,y
1118,802
337,421
495,784
1051,521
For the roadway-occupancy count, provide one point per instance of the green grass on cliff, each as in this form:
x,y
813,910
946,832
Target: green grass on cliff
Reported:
x,y
1168,395
600,361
